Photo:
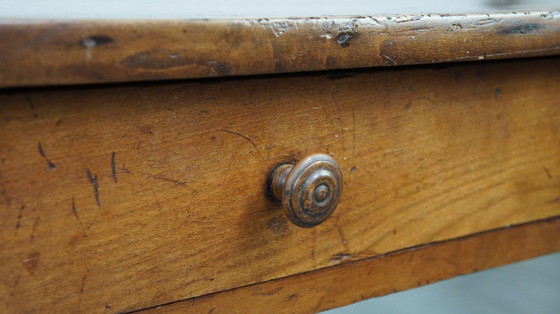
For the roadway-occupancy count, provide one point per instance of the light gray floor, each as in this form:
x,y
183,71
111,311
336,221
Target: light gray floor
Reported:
x,y
529,287
197,9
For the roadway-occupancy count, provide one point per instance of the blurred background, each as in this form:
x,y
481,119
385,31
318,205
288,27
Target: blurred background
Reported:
x,y
528,287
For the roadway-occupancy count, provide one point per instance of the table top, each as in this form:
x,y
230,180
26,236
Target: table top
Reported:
x,y
99,42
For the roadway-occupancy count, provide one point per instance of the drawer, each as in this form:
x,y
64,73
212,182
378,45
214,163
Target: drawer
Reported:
x,y
130,196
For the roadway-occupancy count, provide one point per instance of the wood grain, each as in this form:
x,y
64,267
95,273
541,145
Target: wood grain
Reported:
x,y
397,271
127,197
49,52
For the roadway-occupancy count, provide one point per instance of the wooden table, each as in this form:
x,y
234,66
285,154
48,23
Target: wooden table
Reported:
x,y
135,152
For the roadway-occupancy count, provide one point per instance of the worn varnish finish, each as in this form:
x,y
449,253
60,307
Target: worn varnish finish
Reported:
x,y
352,282
127,197
46,52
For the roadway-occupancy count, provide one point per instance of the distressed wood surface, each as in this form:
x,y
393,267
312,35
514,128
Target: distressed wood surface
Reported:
x,y
337,286
49,52
119,198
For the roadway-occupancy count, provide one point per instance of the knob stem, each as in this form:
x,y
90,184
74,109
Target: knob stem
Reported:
x,y
279,178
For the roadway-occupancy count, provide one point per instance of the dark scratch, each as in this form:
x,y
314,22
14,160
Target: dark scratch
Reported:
x,y
547,172
52,166
93,180
75,210
555,200
181,183
137,292
450,262
95,40
354,132
521,29
497,92
245,137
83,284
344,38
272,292
31,105
113,167
18,223
29,101
34,228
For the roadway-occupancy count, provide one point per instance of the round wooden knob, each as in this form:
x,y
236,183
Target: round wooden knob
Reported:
x,y
309,190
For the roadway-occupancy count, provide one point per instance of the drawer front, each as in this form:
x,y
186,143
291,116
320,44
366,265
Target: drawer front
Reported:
x,y
124,197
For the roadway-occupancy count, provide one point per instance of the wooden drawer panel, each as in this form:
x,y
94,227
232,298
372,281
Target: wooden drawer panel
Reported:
x,y
332,287
123,197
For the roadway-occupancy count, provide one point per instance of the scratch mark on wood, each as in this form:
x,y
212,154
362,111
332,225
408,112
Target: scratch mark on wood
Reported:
x,y
388,60
32,262
159,177
113,167
267,293
34,228
521,29
123,169
555,200
354,132
20,214
341,258
75,210
94,182
278,225
137,292
95,40
450,262
245,137
392,150
83,284
343,39
342,238
30,103
52,166
548,174
497,92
